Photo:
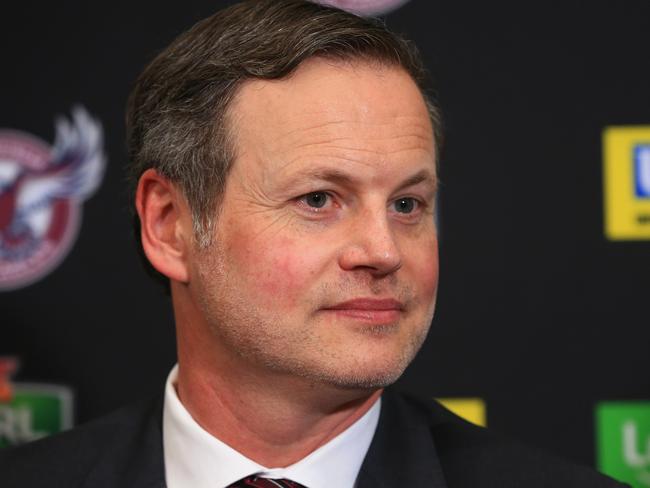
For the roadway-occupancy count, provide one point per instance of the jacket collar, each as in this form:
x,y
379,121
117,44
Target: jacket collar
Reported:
x,y
402,452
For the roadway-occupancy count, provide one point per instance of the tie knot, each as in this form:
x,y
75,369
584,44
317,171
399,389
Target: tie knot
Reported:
x,y
258,482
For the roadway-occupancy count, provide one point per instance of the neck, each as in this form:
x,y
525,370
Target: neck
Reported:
x,y
295,420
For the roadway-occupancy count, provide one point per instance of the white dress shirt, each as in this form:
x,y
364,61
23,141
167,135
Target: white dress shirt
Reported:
x,y
196,459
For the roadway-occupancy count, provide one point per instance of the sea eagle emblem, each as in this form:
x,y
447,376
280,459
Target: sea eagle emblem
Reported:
x,y
366,7
41,193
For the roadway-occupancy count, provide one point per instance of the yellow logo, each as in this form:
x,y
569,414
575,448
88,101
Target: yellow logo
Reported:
x,y
626,171
471,409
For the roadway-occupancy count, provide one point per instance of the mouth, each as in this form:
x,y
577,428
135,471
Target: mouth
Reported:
x,y
368,310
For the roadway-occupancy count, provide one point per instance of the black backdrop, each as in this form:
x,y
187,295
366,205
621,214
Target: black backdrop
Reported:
x,y
538,313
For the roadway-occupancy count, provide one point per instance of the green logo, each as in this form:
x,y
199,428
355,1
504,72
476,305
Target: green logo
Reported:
x,y
30,411
623,431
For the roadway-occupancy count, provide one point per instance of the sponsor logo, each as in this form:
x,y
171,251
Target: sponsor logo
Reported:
x,y
30,411
623,437
366,7
471,409
642,170
41,192
626,161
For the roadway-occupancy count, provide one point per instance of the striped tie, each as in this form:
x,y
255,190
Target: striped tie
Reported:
x,y
258,482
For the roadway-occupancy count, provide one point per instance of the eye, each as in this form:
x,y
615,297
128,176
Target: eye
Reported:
x,y
316,200
405,205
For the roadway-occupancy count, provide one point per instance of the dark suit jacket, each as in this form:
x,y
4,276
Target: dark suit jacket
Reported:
x,y
417,444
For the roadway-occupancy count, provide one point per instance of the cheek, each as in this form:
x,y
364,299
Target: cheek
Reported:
x,y
425,269
276,272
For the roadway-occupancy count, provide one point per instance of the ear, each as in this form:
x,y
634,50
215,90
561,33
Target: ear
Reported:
x,y
165,225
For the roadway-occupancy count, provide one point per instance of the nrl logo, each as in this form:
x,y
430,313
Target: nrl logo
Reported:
x,y
41,192
8,367
30,411
365,7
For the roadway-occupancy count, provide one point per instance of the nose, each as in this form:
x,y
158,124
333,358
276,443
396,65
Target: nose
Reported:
x,y
371,246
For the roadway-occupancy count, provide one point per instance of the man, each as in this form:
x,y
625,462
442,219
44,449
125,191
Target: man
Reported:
x,y
285,159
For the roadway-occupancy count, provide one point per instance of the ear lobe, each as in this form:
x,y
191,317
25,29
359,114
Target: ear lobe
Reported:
x,y
165,225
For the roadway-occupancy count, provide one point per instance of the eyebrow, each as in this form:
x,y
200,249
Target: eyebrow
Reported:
x,y
424,175
345,179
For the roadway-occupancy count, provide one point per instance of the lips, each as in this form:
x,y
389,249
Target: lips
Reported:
x,y
369,310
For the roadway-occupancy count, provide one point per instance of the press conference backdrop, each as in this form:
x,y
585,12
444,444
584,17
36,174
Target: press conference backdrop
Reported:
x,y
542,327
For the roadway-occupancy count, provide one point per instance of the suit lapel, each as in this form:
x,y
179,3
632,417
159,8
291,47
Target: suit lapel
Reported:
x,y
402,452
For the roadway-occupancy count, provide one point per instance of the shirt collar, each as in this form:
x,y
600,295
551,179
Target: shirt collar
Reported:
x,y
193,457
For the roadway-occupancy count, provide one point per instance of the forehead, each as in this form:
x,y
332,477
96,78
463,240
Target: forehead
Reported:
x,y
331,109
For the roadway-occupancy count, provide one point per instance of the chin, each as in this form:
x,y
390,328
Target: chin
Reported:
x,y
365,382
363,375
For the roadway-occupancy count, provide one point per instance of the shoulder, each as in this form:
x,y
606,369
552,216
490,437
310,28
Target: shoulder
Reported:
x,y
473,456
73,458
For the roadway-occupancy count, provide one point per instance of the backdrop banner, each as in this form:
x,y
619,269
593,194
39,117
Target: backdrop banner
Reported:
x,y
544,216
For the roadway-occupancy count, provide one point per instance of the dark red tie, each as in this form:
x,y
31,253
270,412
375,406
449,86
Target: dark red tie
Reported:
x,y
258,482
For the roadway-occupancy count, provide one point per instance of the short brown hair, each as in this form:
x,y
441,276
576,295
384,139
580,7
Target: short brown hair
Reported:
x,y
176,113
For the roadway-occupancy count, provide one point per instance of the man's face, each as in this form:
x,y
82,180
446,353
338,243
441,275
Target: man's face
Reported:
x,y
324,259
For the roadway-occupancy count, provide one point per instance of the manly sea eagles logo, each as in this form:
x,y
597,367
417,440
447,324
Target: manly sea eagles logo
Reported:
x,y
365,7
41,191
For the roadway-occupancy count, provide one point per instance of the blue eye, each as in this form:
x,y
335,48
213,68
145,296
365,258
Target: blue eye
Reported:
x,y
405,205
316,200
